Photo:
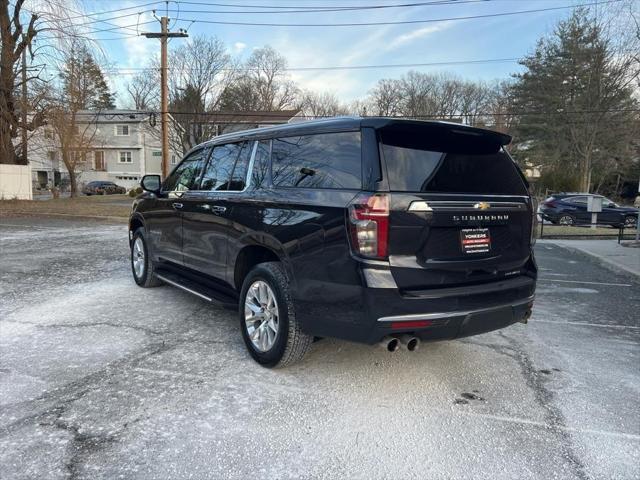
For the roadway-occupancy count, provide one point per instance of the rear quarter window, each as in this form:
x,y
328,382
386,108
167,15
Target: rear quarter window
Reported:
x,y
325,161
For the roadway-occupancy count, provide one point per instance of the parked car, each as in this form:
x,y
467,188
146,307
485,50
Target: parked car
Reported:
x,y
571,209
102,188
370,230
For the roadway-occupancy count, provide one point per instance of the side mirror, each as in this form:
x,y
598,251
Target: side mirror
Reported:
x,y
151,183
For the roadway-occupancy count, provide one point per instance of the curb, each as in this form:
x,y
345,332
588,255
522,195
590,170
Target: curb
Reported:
x,y
605,262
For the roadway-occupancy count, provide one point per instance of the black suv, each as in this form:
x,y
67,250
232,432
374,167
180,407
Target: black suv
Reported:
x,y
571,209
372,230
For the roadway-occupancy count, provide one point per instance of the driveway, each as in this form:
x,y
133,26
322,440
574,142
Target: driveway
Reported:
x,y
102,379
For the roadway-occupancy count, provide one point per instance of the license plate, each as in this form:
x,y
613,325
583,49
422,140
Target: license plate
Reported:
x,y
475,240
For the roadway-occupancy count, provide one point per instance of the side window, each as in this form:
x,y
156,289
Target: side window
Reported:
x,y
186,175
227,168
330,160
579,200
239,176
261,164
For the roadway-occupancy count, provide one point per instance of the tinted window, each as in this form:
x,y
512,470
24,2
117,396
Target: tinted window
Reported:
x,y
227,161
186,175
578,200
239,175
414,169
261,164
329,160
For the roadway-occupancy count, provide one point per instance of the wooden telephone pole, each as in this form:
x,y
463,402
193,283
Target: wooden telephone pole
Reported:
x,y
24,107
164,35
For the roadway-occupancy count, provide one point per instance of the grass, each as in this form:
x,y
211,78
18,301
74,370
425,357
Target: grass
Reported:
x,y
100,206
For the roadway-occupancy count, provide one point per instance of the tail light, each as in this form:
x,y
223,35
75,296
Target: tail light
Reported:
x,y
369,225
534,220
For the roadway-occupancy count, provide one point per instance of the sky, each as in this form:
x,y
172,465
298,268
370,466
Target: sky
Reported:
x,y
440,40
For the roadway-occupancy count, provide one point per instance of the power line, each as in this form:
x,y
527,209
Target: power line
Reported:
x,y
402,22
271,9
452,115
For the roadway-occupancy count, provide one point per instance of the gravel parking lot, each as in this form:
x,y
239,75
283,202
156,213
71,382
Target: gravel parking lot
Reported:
x,y
102,379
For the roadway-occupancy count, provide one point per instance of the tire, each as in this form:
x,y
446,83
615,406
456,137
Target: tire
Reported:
x,y
630,221
566,219
288,343
144,272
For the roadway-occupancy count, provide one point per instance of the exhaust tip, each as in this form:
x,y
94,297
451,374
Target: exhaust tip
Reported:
x,y
410,342
390,344
393,345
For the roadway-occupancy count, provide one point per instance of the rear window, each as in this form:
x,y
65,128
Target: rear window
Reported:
x,y
414,169
330,160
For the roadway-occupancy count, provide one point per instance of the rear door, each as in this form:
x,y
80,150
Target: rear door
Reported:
x,y
460,212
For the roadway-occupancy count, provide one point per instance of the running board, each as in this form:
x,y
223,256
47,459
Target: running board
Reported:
x,y
197,289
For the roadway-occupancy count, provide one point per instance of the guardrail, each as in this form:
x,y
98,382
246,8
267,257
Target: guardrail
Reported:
x,y
587,230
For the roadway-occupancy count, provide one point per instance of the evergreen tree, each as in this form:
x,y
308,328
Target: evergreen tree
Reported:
x,y
576,106
84,85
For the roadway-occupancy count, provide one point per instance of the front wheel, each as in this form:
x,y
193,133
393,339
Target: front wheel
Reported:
x,y
142,266
268,323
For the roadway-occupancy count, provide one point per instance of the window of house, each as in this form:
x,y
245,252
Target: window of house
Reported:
x,y
48,134
122,130
52,155
125,157
174,159
330,160
98,161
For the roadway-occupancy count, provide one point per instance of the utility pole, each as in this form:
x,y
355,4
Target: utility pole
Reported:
x,y
164,35
24,106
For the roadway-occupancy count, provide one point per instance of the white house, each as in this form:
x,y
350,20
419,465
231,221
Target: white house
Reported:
x,y
124,146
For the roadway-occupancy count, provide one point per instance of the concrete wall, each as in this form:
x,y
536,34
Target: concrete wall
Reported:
x,y
15,182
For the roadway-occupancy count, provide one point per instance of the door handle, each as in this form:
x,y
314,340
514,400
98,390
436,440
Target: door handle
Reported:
x,y
177,205
218,209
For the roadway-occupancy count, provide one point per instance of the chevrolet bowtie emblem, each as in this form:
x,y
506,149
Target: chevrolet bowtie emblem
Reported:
x,y
482,206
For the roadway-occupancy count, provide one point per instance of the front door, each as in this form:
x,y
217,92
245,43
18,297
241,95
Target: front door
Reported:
x,y
164,218
207,213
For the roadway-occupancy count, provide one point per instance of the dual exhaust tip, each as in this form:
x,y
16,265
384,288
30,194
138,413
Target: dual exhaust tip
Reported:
x,y
392,344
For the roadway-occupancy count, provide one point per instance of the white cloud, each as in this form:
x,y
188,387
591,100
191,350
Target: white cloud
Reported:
x,y
239,46
407,38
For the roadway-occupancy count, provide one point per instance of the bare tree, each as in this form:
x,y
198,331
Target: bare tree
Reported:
x,y
386,98
321,104
16,39
201,70
144,91
264,84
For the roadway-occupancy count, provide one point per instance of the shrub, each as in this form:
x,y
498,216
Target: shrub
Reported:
x,y
134,192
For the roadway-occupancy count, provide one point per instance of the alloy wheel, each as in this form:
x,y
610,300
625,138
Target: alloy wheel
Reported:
x,y
261,315
566,220
137,258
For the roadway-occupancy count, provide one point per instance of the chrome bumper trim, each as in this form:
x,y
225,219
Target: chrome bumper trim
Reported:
x,y
455,313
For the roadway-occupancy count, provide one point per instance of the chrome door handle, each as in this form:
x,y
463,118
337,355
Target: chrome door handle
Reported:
x,y
177,205
218,209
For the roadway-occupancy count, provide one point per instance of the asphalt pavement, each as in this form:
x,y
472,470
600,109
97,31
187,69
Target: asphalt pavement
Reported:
x,y
102,379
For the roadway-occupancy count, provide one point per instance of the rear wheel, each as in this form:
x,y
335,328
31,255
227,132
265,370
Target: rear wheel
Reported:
x,y
630,221
142,266
269,327
567,220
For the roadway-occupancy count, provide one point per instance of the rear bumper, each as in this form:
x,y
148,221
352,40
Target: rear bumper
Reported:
x,y
368,314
